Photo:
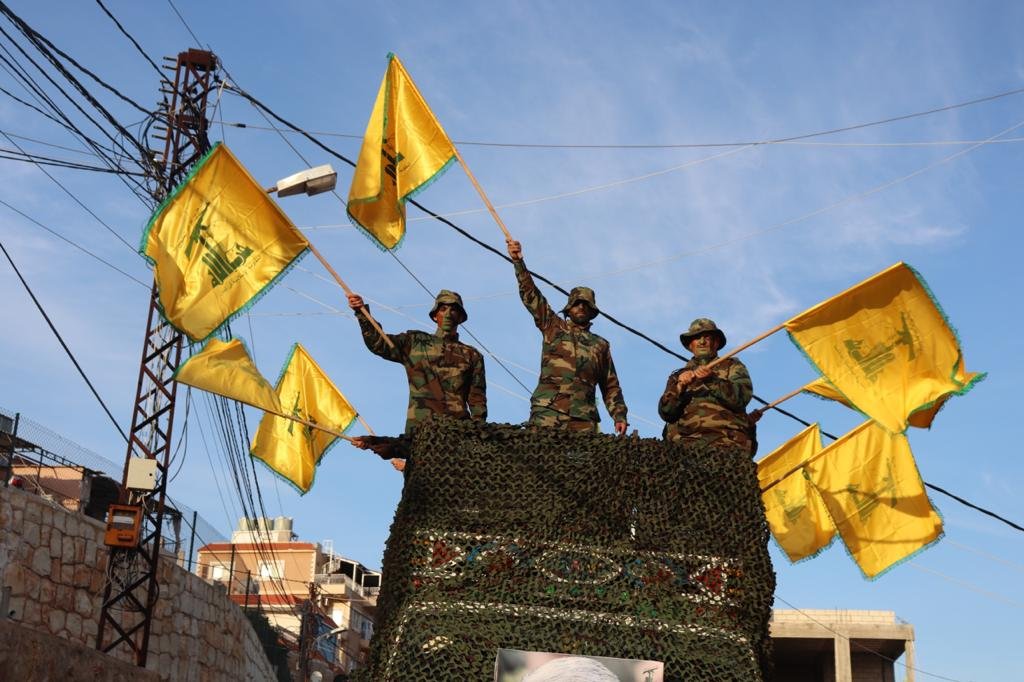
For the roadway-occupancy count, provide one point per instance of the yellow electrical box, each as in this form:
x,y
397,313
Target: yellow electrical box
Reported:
x,y
124,523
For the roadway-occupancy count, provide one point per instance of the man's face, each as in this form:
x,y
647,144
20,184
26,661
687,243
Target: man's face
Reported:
x,y
580,312
704,345
448,317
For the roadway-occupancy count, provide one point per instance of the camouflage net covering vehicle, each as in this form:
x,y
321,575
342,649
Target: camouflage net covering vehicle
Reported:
x,y
546,540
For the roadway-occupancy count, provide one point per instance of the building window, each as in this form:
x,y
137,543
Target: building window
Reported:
x,y
271,570
219,572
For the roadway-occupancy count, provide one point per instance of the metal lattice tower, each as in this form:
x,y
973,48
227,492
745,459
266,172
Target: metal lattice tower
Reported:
x,y
131,591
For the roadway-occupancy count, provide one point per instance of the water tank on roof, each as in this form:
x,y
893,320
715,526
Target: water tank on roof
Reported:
x,y
283,523
245,523
263,523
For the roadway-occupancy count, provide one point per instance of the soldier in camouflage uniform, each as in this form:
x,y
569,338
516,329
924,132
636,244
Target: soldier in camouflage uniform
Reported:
x,y
446,377
573,360
707,405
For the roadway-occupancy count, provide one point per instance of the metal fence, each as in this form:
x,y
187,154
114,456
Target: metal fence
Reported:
x,y
43,462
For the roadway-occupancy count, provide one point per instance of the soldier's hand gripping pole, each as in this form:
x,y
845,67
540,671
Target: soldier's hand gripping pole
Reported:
x,y
756,414
746,345
348,292
483,195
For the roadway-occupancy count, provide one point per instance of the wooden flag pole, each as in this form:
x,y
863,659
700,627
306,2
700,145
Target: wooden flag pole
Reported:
x,y
312,425
779,401
748,344
795,469
341,283
483,195
365,425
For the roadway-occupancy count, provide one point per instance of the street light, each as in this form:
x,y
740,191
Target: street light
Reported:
x,y
310,181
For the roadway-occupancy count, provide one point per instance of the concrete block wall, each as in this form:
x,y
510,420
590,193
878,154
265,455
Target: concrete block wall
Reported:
x,y
54,563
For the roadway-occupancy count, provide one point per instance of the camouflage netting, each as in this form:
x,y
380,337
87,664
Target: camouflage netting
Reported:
x,y
537,539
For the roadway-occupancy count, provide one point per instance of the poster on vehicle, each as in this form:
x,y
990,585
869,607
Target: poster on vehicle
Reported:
x,y
513,665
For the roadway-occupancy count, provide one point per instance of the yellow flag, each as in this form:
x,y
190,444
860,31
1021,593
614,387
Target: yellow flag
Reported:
x,y
224,368
216,244
795,512
306,392
875,496
922,419
404,149
884,345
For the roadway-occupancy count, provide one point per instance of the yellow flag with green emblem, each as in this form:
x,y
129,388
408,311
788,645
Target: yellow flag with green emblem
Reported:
x,y
921,419
304,391
404,149
795,512
225,368
885,346
216,244
875,496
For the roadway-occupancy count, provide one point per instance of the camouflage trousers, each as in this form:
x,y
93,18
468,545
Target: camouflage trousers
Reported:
x,y
560,421
736,439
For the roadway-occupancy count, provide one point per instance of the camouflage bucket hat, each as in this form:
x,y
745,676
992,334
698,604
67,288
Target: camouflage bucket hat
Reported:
x,y
700,326
451,298
585,294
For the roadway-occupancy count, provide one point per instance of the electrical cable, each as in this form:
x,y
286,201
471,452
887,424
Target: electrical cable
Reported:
x,y
46,48
995,596
705,145
184,23
11,155
75,244
64,345
77,200
29,81
33,88
863,647
262,107
134,42
35,37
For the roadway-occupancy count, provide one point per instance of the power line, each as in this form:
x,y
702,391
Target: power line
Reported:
x,y
76,199
63,344
792,143
134,42
74,244
703,145
29,83
263,108
12,155
184,23
33,88
863,647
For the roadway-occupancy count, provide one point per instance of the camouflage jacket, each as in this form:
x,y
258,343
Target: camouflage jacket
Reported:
x,y
712,409
445,376
573,361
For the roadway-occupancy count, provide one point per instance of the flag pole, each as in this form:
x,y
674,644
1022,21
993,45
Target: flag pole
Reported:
x,y
348,292
365,425
779,401
483,195
304,422
795,469
748,344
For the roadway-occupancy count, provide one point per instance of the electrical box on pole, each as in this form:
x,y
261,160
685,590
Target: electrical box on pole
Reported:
x,y
131,591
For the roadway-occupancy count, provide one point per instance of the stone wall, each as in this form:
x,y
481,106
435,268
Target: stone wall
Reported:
x,y
27,654
54,564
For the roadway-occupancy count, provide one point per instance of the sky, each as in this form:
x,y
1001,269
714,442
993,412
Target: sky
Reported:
x,y
748,235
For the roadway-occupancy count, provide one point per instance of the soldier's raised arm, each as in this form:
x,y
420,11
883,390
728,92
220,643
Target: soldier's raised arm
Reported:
x,y
371,337
528,291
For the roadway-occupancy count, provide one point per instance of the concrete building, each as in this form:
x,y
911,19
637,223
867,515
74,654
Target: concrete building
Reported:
x,y
814,645
265,566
